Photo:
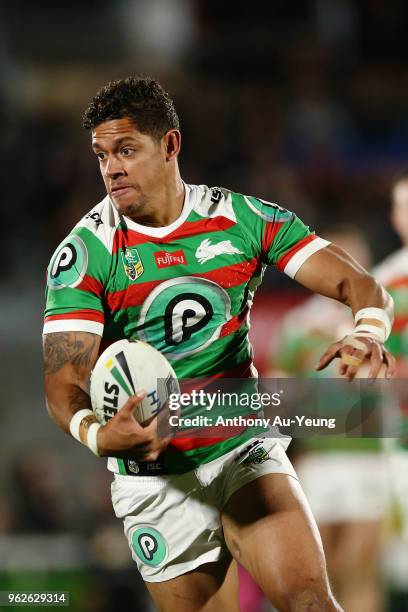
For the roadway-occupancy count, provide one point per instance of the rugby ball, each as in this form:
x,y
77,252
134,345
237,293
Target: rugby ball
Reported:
x,y
124,368
365,367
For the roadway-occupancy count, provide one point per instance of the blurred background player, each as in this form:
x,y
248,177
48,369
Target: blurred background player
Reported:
x,y
344,479
393,274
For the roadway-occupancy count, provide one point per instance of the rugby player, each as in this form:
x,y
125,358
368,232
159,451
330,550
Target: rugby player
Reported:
x,y
392,272
349,506
178,265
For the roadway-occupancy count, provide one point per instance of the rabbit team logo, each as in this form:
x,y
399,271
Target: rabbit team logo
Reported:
x,y
184,315
206,250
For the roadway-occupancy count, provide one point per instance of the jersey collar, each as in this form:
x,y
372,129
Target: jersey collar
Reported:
x,y
160,232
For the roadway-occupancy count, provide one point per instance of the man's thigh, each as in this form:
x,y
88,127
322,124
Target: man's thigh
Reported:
x,y
212,587
269,529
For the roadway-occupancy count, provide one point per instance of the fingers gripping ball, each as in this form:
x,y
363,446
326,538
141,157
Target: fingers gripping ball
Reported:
x,y
125,367
365,367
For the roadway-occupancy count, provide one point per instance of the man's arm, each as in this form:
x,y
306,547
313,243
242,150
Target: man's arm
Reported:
x,y
333,273
68,360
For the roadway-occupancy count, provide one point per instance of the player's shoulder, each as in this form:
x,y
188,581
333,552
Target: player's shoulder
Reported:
x,y
97,227
86,249
99,223
392,268
213,201
93,233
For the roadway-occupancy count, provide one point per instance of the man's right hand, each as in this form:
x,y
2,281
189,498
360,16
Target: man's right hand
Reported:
x,y
124,437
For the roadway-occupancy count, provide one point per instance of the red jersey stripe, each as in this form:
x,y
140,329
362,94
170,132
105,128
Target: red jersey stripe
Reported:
x,y
400,322
88,315
284,260
90,284
398,282
235,323
184,442
129,237
228,276
269,235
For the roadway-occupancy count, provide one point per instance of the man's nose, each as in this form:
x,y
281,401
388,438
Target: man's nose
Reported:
x,y
114,167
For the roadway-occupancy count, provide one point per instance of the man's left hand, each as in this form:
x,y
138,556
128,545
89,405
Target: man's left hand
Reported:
x,y
353,350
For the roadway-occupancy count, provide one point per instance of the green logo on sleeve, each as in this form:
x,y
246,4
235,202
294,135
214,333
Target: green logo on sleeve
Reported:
x,y
69,264
268,211
149,545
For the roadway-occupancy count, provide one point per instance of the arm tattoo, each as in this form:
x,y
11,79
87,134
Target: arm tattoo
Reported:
x,y
61,348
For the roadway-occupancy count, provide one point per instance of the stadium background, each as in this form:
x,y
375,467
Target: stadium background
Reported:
x,y
302,103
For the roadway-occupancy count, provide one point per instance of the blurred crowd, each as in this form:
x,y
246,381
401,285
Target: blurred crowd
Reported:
x,y
304,107
58,531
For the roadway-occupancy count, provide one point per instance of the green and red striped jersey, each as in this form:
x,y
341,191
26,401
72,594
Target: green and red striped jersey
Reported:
x,y
392,273
186,288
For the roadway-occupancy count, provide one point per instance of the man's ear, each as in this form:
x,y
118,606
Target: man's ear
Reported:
x,y
172,144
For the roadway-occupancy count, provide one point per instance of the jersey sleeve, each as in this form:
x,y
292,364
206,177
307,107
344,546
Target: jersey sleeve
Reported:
x,y
76,277
285,241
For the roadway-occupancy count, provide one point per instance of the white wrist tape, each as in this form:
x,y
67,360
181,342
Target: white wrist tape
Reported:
x,y
76,422
374,313
91,437
92,440
365,329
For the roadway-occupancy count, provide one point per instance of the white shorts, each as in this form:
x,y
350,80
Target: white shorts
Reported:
x,y
344,486
173,522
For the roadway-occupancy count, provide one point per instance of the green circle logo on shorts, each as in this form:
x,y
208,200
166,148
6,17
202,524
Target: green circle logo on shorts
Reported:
x,y
182,316
69,264
149,545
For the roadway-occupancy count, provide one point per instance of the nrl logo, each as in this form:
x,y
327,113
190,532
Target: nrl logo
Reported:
x,y
133,466
132,263
206,250
256,456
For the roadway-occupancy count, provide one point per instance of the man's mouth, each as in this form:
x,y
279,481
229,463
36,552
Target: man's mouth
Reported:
x,y
120,190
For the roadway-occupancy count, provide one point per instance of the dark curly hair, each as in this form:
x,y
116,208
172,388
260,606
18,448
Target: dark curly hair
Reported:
x,y
142,99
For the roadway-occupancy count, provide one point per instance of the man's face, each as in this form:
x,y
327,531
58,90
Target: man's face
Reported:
x,y
132,164
399,215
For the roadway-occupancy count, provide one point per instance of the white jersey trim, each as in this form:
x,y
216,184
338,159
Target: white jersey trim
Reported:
x,y
206,207
160,232
301,256
102,220
78,325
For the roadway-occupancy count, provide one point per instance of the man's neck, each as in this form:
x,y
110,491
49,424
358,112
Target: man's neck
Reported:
x,y
166,208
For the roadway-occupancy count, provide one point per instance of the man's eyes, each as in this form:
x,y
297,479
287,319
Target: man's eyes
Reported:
x,y
127,151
